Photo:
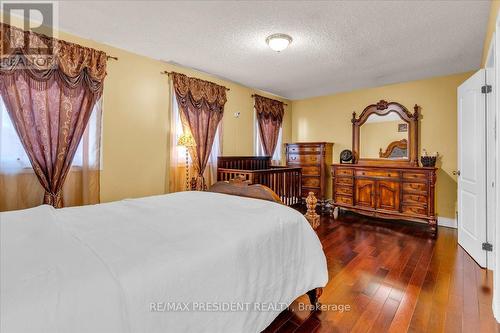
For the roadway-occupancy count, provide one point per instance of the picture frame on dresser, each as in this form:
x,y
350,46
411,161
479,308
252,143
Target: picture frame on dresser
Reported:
x,y
390,188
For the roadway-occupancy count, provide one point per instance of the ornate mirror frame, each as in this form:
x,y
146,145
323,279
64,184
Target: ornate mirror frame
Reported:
x,y
382,108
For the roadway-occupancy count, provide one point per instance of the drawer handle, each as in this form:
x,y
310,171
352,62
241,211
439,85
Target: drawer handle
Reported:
x,y
388,175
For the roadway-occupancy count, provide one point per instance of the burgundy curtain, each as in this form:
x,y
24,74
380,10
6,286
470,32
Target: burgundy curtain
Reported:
x,y
201,105
49,97
269,117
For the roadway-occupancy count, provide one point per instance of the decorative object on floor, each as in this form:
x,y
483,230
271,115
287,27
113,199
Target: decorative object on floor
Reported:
x,y
346,156
311,214
186,140
429,160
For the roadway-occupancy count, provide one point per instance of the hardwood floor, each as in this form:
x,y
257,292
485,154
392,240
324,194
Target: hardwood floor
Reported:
x,y
395,279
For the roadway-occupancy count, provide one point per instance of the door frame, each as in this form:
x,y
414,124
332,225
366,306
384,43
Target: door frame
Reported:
x,y
491,152
493,53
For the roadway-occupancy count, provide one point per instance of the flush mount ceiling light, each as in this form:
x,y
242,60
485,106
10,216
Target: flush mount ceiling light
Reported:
x,y
278,42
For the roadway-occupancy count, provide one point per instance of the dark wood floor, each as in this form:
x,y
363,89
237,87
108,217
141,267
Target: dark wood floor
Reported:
x,y
395,279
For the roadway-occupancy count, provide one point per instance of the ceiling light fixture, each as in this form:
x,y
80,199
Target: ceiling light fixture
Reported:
x,y
278,42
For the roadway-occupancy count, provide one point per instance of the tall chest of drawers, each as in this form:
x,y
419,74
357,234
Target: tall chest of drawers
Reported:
x,y
314,159
404,193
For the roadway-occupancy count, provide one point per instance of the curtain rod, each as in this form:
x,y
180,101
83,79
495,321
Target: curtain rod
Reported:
x,y
169,73
110,57
253,95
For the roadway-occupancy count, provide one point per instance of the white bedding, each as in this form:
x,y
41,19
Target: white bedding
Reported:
x,y
121,266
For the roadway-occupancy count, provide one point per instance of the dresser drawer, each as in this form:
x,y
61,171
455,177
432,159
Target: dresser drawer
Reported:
x,y
344,180
377,173
311,170
311,181
344,171
304,150
414,187
342,199
343,190
414,210
415,199
415,175
312,159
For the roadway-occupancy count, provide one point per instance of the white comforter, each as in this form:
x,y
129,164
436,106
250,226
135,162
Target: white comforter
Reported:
x,y
122,266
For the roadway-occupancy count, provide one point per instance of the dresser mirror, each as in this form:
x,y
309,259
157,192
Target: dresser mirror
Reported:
x,y
386,133
384,136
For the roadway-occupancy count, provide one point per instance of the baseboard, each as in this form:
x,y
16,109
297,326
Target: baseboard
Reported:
x,y
447,222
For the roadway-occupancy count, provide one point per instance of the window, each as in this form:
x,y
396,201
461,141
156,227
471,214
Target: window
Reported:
x,y
259,150
12,154
13,157
178,154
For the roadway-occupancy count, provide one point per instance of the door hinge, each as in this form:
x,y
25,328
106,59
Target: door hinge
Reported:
x,y
486,89
487,247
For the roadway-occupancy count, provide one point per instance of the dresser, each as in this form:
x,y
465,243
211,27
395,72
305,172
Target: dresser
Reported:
x,y
405,193
314,158
385,179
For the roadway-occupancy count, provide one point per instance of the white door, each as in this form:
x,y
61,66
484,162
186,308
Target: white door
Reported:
x,y
472,167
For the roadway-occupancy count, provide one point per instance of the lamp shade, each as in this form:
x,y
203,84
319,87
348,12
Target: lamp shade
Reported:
x,y
186,140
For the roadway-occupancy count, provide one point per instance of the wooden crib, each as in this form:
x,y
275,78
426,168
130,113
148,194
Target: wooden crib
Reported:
x,y
284,181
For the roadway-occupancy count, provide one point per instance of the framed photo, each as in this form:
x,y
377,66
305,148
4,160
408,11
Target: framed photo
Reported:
x,y
403,127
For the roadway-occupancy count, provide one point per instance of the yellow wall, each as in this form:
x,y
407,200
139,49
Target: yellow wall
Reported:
x,y
495,6
328,118
136,122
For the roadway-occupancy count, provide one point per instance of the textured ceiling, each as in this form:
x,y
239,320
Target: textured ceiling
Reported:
x,y
337,45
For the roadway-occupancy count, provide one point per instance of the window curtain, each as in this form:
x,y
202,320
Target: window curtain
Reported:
x,y
269,119
49,98
177,174
201,107
19,186
259,148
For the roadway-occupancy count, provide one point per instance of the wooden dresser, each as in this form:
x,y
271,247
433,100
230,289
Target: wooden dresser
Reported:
x,y
385,179
405,193
314,159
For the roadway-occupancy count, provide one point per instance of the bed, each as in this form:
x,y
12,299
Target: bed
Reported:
x,y
181,262
395,150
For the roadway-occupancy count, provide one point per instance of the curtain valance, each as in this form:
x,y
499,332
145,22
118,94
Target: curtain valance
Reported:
x,y
269,108
40,56
199,89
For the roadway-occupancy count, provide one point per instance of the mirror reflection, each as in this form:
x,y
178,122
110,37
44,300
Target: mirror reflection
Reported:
x,y
384,137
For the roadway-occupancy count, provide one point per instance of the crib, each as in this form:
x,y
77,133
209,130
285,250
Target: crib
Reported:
x,y
284,181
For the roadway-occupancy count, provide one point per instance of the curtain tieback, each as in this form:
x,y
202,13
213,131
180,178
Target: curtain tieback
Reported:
x,y
52,199
200,183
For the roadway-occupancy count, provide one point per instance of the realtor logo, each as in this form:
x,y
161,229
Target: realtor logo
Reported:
x,y
35,16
